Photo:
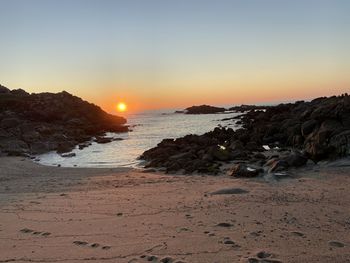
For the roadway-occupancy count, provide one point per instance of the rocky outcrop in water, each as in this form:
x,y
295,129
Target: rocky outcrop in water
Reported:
x,y
38,123
204,109
316,130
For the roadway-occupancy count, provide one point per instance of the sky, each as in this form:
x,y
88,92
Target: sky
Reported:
x,y
155,54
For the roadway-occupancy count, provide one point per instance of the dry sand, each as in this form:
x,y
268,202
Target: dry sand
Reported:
x,y
52,214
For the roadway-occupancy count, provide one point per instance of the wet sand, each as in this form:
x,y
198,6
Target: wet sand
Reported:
x,y
54,214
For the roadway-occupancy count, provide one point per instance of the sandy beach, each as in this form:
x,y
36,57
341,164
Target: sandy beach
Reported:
x,y
54,214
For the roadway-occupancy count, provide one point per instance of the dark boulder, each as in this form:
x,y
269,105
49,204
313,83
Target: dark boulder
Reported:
x,y
317,143
295,159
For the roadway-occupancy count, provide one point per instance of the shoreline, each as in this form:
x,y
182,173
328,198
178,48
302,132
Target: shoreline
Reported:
x,y
51,214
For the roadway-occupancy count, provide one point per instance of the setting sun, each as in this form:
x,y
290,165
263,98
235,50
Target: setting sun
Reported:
x,y
121,106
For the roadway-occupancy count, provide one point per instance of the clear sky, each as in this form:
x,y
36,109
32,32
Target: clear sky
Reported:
x,y
176,53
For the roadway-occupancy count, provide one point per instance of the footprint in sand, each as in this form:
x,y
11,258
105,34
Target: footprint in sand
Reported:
x,y
34,232
224,225
256,233
298,234
80,243
26,230
209,233
265,260
156,259
106,247
262,257
230,191
35,202
229,241
93,245
335,243
183,229
263,254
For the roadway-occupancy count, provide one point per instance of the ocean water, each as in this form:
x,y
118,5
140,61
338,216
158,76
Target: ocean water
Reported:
x,y
148,129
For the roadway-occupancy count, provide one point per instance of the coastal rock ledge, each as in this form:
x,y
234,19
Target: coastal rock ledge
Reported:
x,y
38,123
296,133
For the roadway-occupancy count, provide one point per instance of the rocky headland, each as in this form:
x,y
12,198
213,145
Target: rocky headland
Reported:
x,y
38,123
272,139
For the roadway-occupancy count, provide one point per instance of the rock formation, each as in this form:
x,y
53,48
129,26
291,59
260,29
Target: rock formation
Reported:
x,y
301,131
38,123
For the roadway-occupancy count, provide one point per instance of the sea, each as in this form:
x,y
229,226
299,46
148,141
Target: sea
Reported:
x,y
148,129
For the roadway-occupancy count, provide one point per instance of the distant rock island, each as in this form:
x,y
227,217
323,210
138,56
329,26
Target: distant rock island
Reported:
x,y
208,109
38,123
298,132
202,109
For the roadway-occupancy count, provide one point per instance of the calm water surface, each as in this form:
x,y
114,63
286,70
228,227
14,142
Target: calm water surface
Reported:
x,y
148,130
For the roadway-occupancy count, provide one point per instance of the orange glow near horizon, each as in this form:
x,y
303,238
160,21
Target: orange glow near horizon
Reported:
x,y
254,94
